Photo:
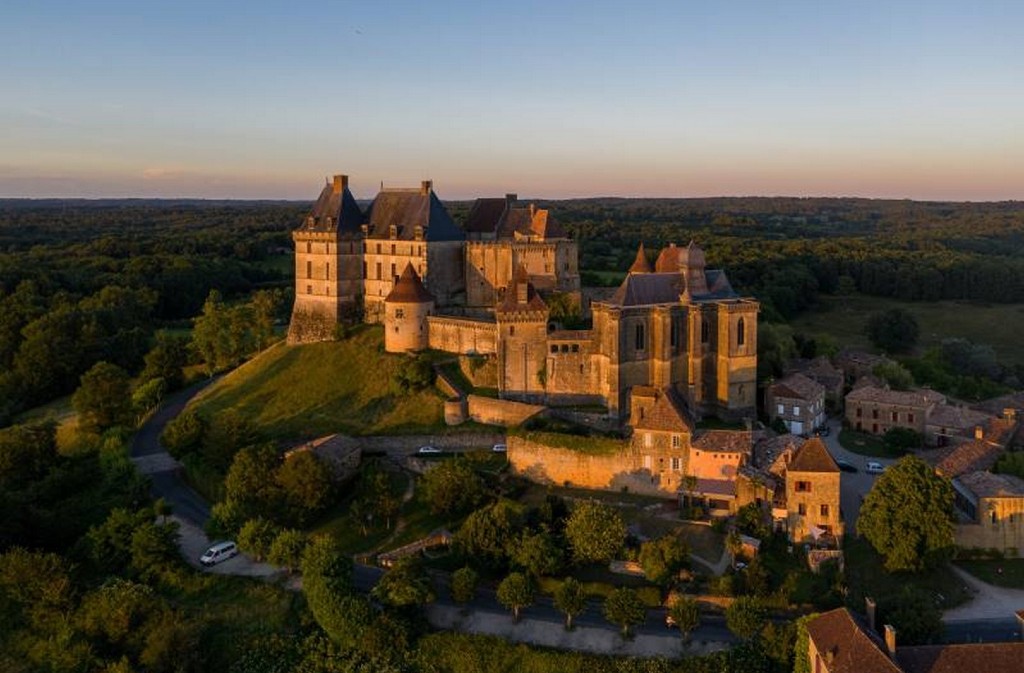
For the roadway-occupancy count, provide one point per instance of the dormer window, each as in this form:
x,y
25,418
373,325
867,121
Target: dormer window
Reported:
x,y
393,231
418,233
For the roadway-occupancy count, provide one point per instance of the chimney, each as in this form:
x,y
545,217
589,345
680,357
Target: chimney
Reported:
x,y
1010,414
510,200
340,183
979,432
870,607
890,640
426,187
533,209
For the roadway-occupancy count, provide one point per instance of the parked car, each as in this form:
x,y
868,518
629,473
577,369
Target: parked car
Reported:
x,y
874,467
499,448
221,551
846,466
428,449
824,431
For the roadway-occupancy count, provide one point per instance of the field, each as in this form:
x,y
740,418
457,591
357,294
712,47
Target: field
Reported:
x,y
296,392
844,317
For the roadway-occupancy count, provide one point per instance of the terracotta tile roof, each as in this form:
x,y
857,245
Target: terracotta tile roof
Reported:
x,y
668,414
973,456
965,658
641,264
798,386
405,209
847,646
921,398
725,441
335,210
773,454
511,303
991,485
409,289
997,405
961,418
812,457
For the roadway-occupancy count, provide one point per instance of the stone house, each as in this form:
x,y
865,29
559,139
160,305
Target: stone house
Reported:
x,y
877,410
839,642
856,363
798,401
812,495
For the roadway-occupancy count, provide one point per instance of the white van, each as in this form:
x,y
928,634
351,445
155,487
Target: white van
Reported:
x,y
221,551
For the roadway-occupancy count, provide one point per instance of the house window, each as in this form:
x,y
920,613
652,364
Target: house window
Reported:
x,y
328,270
796,410
824,510
803,487
874,428
740,332
565,348
378,248
994,517
640,341
676,463
399,313
859,412
393,274
874,413
647,461
365,270
895,417
392,245
676,441
705,331
801,509
910,418
648,441
782,409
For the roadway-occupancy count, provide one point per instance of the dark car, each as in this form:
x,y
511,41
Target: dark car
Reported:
x,y
845,466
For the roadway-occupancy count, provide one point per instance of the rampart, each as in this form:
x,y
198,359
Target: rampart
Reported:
x,y
500,412
461,335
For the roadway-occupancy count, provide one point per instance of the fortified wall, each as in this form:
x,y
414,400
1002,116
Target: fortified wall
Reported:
x,y
462,335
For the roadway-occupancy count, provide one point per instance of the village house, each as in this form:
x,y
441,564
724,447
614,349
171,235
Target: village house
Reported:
x,y
798,402
822,370
812,495
877,410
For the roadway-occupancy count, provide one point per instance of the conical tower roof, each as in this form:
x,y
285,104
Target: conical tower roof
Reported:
x,y
409,289
641,264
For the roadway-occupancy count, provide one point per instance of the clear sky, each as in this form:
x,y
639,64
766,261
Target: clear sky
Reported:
x,y
261,99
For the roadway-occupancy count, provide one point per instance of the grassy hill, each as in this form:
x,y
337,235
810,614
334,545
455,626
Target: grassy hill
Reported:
x,y
293,392
998,325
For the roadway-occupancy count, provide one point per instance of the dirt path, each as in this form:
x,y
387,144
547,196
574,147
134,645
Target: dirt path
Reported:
x,y
989,602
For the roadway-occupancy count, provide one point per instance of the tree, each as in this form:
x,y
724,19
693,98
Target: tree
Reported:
x,y
775,348
110,543
686,615
486,534
464,582
153,548
414,374
256,536
750,520
914,615
893,331
227,433
406,583
661,559
902,440
908,516
287,548
451,487
306,484
104,398
211,336
515,592
595,532
327,584
266,304
27,452
117,610
250,483
167,360
183,434
162,509
148,395
896,375
570,600
538,553
624,608
746,617
801,649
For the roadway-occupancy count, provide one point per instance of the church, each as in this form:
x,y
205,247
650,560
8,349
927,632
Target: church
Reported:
x,y
482,290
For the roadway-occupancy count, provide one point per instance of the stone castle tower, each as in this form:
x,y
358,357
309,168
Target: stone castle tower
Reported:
x,y
405,314
522,327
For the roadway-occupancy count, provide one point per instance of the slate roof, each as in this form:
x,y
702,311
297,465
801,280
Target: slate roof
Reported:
x,y
847,646
643,289
991,485
962,658
812,456
798,387
406,209
906,398
641,264
486,214
668,414
409,289
725,441
335,210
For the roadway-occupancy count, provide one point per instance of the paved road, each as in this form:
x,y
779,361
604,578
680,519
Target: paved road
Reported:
x,y
852,485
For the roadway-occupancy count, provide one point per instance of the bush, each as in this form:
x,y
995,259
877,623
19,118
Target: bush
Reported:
x,y
414,374
183,435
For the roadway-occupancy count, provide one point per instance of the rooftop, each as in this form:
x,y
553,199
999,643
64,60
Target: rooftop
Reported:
x,y
919,398
407,209
725,441
965,658
812,456
847,646
409,289
798,386
991,485
667,414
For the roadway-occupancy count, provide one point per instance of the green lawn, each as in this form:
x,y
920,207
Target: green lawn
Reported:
x,y
998,325
865,444
293,392
1003,573
866,576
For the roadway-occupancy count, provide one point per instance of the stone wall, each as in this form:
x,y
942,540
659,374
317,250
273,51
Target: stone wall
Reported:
x,y
461,335
1006,534
605,471
500,412
481,371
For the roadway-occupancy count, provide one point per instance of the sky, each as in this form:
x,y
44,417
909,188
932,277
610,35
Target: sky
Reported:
x,y
262,99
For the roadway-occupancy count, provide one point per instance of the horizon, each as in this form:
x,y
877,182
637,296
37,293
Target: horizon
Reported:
x,y
912,101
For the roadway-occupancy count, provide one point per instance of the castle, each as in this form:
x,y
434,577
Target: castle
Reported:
x,y
480,290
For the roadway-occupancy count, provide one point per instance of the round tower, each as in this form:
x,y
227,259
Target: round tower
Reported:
x,y
405,314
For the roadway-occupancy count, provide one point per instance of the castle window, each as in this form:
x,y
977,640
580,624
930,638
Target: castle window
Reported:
x,y
575,348
393,274
565,348
309,247
511,330
994,517
859,412
640,340
328,270
910,418
378,271
392,248
895,417
673,339
782,409
309,289
399,313
824,510
705,331
309,269
365,270
796,410
554,348
874,413
801,509
802,487
741,336
378,248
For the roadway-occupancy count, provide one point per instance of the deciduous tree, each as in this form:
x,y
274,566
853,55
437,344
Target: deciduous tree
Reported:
x,y
515,592
624,609
570,600
686,615
595,532
464,583
104,399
